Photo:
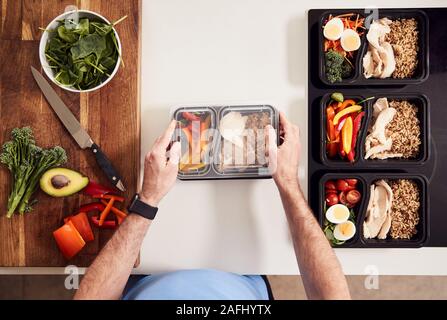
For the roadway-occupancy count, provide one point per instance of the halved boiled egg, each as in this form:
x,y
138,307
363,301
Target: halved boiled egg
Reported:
x,y
344,231
350,40
337,213
333,29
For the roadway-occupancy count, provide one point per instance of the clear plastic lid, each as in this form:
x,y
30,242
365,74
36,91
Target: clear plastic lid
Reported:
x,y
194,130
241,146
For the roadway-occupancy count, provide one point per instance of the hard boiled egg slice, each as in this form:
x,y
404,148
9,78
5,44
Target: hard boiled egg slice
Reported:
x,y
337,213
344,231
333,29
350,40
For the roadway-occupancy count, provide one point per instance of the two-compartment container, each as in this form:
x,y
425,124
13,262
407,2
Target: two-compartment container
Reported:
x,y
357,78
217,156
361,168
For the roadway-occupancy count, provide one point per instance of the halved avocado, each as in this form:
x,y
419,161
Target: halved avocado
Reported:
x,y
62,182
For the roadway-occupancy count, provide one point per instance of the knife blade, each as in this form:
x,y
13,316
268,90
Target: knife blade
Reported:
x,y
74,127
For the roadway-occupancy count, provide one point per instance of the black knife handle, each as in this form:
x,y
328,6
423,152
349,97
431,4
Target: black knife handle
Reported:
x,y
106,165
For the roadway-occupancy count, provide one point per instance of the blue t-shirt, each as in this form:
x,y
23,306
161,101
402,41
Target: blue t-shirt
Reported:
x,y
198,285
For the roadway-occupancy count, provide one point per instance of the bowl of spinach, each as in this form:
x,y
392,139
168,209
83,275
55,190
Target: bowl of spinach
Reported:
x,y
80,51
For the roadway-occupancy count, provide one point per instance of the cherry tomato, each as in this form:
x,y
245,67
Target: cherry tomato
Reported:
x,y
352,182
353,196
341,185
331,199
342,198
329,185
328,191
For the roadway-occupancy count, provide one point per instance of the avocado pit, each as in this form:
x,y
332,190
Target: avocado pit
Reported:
x,y
60,181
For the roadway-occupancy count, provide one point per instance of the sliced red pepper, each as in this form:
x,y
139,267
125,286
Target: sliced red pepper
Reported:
x,y
331,148
94,188
80,221
68,240
356,129
109,197
108,224
351,155
331,131
190,116
92,207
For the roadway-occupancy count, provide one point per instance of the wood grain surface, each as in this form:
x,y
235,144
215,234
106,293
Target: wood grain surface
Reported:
x,y
110,115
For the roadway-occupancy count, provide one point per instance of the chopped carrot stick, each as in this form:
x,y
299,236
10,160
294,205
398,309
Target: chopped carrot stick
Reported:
x,y
115,210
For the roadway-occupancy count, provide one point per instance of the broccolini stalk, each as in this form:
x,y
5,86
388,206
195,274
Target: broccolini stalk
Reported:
x,y
47,160
27,162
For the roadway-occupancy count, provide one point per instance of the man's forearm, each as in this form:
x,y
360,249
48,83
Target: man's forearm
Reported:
x,y
321,272
108,274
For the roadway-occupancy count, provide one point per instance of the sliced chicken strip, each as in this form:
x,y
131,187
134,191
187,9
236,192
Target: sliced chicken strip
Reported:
x,y
380,105
384,118
378,215
389,62
387,223
379,148
369,209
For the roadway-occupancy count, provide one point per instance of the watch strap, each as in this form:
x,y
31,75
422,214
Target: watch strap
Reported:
x,y
143,209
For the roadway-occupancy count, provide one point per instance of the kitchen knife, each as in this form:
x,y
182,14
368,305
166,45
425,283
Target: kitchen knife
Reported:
x,y
74,128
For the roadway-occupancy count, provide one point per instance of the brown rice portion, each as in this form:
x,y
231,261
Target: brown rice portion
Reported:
x,y
405,208
403,37
405,129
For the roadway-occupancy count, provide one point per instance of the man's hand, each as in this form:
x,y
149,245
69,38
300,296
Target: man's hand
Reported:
x,y
160,172
284,160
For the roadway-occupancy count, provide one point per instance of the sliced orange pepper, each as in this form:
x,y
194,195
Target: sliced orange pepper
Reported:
x,y
345,104
346,135
81,223
106,211
68,240
115,210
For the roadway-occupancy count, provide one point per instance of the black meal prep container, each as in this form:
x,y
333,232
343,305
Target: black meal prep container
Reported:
x,y
357,60
212,170
339,163
365,181
422,70
420,100
423,105
358,209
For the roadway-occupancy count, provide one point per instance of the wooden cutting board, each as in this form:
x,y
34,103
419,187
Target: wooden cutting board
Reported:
x,y
111,115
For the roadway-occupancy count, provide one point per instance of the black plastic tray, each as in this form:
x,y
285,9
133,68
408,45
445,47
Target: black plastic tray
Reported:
x,y
420,100
422,70
365,181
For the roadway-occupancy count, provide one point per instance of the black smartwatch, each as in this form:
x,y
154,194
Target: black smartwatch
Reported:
x,y
143,209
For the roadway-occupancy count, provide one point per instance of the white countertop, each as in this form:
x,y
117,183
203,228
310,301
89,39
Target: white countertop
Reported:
x,y
226,52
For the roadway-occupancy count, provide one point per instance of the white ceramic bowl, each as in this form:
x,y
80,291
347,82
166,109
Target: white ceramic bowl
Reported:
x,y
53,25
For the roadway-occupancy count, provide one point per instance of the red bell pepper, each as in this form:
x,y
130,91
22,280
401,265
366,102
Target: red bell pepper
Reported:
x,y
351,155
331,131
331,148
80,221
94,188
68,240
356,130
330,113
91,207
107,224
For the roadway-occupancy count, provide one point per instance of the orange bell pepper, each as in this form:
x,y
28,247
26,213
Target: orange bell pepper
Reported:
x,y
346,135
106,211
115,210
81,223
68,240
345,104
330,113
